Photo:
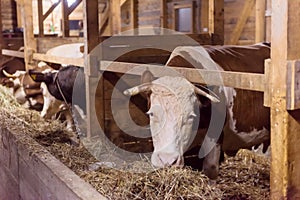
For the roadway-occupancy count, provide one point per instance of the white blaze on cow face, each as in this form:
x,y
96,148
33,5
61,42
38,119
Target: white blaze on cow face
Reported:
x,y
173,113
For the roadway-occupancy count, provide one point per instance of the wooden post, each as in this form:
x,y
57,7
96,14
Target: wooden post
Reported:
x,y
216,20
91,38
40,18
163,14
260,20
1,36
285,128
134,14
30,45
204,16
65,18
115,17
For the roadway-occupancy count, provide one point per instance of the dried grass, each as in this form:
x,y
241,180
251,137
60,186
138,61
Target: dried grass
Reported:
x,y
245,176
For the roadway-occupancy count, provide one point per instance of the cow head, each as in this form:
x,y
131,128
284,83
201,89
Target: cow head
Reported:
x,y
174,116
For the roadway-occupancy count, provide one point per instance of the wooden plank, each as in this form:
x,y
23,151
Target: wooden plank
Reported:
x,y
236,33
260,20
65,18
60,60
247,81
46,169
285,127
293,86
40,18
122,2
29,42
204,16
74,6
115,17
163,14
1,36
91,40
50,10
216,21
268,79
134,14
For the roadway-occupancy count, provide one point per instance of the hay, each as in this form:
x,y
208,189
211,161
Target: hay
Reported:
x,y
245,176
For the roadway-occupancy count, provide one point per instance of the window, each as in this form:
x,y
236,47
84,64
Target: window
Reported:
x,y
184,17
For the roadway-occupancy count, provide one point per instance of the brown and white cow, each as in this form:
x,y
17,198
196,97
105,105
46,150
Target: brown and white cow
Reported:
x,y
27,92
34,95
175,110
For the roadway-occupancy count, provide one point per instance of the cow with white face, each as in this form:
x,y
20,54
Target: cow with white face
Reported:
x,y
176,117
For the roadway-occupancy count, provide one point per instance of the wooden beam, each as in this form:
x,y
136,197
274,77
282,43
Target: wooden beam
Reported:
x,y
19,15
134,14
65,18
122,2
59,60
40,18
95,124
115,17
236,33
74,6
216,20
285,125
260,20
247,81
30,45
163,14
12,53
204,16
1,36
50,10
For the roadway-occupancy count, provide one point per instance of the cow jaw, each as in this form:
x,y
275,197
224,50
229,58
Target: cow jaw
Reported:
x,y
174,108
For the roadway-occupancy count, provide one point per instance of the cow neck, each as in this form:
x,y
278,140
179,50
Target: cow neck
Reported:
x,y
60,90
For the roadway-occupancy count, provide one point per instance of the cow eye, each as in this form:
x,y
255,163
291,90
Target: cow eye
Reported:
x,y
149,113
191,117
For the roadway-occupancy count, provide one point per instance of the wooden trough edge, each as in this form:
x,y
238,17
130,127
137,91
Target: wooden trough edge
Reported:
x,y
31,172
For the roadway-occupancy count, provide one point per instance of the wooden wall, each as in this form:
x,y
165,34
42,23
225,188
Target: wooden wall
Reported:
x,y
232,14
149,13
8,14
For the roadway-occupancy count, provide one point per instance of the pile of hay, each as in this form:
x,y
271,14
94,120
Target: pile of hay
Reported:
x,y
245,176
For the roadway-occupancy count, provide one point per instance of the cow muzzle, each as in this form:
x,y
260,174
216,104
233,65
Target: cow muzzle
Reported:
x,y
161,160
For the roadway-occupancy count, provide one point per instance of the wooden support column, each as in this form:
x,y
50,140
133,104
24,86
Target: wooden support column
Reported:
x,y
134,14
260,20
216,20
1,36
30,45
204,16
285,128
163,14
115,17
65,18
91,38
40,18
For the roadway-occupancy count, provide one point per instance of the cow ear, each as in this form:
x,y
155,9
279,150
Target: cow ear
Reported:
x,y
147,77
40,77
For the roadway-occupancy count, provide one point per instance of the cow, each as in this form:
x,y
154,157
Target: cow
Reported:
x,y
178,120
58,88
11,66
33,95
27,92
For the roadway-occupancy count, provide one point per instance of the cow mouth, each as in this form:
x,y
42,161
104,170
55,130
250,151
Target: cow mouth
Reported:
x,y
164,160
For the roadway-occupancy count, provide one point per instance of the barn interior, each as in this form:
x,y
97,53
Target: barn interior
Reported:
x,y
118,40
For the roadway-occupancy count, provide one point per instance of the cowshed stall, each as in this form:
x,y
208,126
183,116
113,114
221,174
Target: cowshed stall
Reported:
x,y
277,83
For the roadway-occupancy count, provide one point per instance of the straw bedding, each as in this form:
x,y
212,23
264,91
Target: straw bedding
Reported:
x,y
245,176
